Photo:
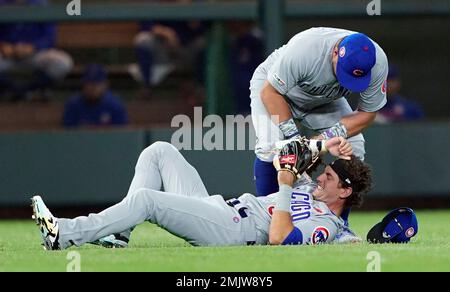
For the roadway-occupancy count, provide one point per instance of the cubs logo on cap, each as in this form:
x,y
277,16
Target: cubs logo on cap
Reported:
x,y
357,56
399,226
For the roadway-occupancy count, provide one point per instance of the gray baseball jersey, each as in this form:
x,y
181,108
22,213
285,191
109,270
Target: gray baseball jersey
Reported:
x,y
302,71
186,210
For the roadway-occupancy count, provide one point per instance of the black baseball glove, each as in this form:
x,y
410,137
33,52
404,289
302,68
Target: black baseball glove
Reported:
x,y
295,157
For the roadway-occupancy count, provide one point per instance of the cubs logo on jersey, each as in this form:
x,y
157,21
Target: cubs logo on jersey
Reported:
x,y
320,235
270,209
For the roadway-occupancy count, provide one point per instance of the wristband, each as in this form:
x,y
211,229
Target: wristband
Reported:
x,y
283,198
338,130
288,128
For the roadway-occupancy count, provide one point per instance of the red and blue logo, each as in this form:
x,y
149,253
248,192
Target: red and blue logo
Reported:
x,y
358,72
383,87
342,52
320,235
410,232
270,209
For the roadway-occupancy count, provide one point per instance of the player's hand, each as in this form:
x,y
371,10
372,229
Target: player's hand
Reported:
x,y
295,157
339,147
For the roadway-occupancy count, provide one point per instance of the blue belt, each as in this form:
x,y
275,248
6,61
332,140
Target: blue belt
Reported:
x,y
241,209
236,204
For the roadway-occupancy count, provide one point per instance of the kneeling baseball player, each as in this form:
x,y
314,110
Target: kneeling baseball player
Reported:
x,y
302,212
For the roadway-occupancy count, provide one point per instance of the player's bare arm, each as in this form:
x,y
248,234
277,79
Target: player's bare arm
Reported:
x,y
356,122
275,103
294,158
281,225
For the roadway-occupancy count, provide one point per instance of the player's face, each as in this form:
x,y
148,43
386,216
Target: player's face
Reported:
x,y
329,189
94,91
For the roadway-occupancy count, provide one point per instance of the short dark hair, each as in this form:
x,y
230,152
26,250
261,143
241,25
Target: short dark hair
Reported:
x,y
360,174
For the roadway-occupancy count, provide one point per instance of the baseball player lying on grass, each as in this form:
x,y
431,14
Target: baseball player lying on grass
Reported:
x,y
302,212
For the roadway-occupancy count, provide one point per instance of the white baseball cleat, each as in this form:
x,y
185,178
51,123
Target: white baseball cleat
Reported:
x,y
48,224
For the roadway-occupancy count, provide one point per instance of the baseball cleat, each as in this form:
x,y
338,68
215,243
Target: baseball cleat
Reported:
x,y
48,224
112,241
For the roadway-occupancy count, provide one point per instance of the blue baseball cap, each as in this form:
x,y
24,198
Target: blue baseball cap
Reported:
x,y
94,73
396,227
356,57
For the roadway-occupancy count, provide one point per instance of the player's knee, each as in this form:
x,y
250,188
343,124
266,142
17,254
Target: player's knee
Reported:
x,y
162,147
159,148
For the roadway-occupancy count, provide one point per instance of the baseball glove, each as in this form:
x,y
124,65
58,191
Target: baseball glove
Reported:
x,y
295,157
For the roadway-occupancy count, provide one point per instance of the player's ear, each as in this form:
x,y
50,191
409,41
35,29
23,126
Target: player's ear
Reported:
x,y
345,192
335,50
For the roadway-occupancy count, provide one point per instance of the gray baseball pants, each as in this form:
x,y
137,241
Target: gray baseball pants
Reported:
x,y
184,208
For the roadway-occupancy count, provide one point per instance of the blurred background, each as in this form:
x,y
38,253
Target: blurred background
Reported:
x,y
82,95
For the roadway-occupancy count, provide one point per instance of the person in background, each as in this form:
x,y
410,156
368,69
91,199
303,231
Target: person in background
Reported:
x,y
28,47
398,108
246,53
95,105
164,46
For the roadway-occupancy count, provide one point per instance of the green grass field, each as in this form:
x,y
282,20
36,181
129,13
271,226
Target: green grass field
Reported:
x,y
153,249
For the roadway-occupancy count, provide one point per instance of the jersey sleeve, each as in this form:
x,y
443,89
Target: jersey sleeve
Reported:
x,y
374,97
317,230
290,67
